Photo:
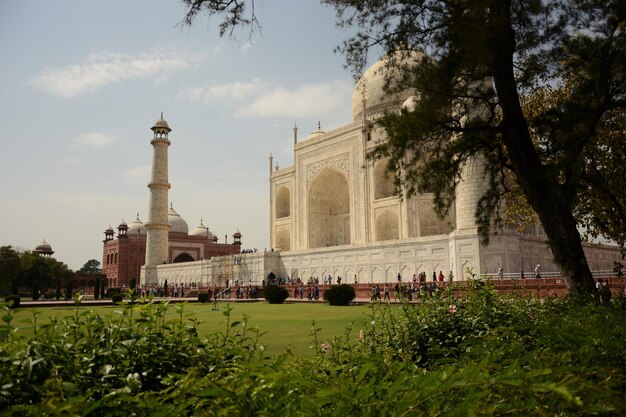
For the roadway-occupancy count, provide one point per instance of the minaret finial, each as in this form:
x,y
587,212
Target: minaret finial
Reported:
x,y
319,125
295,133
161,115
171,205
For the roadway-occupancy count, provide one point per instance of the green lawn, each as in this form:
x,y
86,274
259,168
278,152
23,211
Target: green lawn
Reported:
x,y
285,325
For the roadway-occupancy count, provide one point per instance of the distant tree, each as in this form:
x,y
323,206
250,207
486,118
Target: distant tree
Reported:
x,y
69,289
35,290
10,268
102,289
92,266
96,288
58,291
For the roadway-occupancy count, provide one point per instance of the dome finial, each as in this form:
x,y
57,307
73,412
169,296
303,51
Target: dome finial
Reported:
x,y
161,115
171,205
319,125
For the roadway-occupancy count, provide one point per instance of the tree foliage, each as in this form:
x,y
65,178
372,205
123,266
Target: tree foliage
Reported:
x,y
26,270
9,268
484,57
234,14
92,266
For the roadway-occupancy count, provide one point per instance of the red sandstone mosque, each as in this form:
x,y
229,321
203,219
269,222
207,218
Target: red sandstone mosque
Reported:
x,y
166,234
124,255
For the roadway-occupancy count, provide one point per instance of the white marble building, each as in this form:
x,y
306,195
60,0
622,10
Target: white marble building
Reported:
x,y
334,212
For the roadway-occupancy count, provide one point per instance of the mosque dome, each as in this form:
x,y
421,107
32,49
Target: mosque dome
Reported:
x,y
371,86
136,227
202,230
177,223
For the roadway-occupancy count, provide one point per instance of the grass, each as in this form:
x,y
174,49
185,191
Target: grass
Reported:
x,y
284,326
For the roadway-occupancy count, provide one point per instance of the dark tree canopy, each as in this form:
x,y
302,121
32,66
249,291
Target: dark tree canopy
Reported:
x,y
488,61
92,266
485,57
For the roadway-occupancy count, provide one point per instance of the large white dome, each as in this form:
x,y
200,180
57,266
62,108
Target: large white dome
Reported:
x,y
202,230
371,86
177,223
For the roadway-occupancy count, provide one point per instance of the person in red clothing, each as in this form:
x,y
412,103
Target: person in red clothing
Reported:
x,y
441,277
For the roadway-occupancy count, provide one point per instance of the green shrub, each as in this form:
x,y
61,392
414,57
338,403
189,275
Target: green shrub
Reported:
x,y
48,295
203,296
486,355
112,291
117,298
340,295
13,300
275,294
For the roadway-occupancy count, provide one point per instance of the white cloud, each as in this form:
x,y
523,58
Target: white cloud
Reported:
x,y
95,140
142,171
102,69
309,100
246,47
222,93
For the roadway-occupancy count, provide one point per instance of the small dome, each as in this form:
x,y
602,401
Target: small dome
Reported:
x,y
318,132
161,124
136,227
202,230
44,248
109,230
123,225
177,223
371,86
237,234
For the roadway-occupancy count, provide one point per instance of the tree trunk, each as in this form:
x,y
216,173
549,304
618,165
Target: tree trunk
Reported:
x,y
550,199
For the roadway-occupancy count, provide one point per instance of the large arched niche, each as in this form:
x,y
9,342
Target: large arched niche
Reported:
x,y
329,210
283,240
383,183
387,226
183,257
282,203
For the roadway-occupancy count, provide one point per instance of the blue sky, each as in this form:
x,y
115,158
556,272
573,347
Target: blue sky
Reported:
x,y
83,81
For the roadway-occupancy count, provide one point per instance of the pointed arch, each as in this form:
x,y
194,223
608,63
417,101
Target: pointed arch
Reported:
x,y
283,240
387,226
383,183
283,203
329,210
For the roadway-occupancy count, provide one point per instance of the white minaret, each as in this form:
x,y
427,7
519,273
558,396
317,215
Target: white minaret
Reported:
x,y
157,226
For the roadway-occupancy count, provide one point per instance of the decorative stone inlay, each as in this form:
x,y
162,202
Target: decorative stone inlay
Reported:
x,y
340,162
157,226
161,185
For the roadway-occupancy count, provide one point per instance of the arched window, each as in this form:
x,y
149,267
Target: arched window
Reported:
x,y
329,210
283,240
383,183
183,257
282,203
387,226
